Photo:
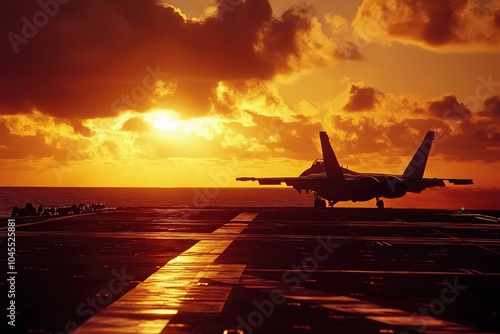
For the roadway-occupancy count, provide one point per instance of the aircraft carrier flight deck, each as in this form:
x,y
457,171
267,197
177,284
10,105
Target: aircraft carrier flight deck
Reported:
x,y
256,270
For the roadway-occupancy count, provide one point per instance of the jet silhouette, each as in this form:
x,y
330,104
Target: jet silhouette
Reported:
x,y
329,181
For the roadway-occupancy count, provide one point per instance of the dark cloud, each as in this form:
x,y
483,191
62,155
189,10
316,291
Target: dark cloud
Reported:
x,y
192,97
362,99
136,124
448,107
78,127
408,133
491,107
20,147
233,93
477,141
443,19
467,139
296,139
94,58
363,135
467,25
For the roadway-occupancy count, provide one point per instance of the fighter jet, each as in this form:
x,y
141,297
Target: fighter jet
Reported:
x,y
333,183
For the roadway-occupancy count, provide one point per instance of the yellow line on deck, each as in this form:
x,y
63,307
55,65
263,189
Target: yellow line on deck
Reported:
x,y
150,306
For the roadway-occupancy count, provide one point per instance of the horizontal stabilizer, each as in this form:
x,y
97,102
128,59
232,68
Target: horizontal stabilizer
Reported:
x,y
417,185
460,181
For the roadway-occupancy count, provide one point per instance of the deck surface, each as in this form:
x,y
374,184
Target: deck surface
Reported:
x,y
263,270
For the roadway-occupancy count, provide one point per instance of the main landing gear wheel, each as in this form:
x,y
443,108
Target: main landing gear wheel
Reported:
x,y
380,204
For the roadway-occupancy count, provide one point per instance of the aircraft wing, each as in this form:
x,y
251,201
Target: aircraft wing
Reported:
x,y
299,183
330,178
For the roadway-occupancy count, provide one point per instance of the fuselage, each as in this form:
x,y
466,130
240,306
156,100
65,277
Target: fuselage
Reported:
x,y
356,186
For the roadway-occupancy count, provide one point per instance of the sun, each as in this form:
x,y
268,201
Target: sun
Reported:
x,y
164,119
169,123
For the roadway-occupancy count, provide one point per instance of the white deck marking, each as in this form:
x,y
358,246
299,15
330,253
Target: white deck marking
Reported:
x,y
150,306
488,218
479,216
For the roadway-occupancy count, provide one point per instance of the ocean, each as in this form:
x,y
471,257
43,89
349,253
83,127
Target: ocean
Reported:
x,y
453,198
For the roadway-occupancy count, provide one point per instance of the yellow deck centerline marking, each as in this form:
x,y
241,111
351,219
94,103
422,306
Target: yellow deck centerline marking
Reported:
x,y
150,306
245,217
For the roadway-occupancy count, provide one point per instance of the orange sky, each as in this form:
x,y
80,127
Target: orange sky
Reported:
x,y
133,93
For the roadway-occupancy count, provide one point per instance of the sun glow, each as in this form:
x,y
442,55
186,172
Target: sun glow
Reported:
x,y
164,120
168,121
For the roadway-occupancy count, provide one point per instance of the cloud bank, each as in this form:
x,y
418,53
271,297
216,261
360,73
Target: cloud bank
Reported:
x,y
445,26
93,58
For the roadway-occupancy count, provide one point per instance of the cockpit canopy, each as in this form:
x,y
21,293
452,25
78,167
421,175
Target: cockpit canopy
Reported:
x,y
318,162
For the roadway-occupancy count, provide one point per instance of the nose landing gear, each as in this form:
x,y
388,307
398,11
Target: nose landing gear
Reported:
x,y
380,203
318,202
